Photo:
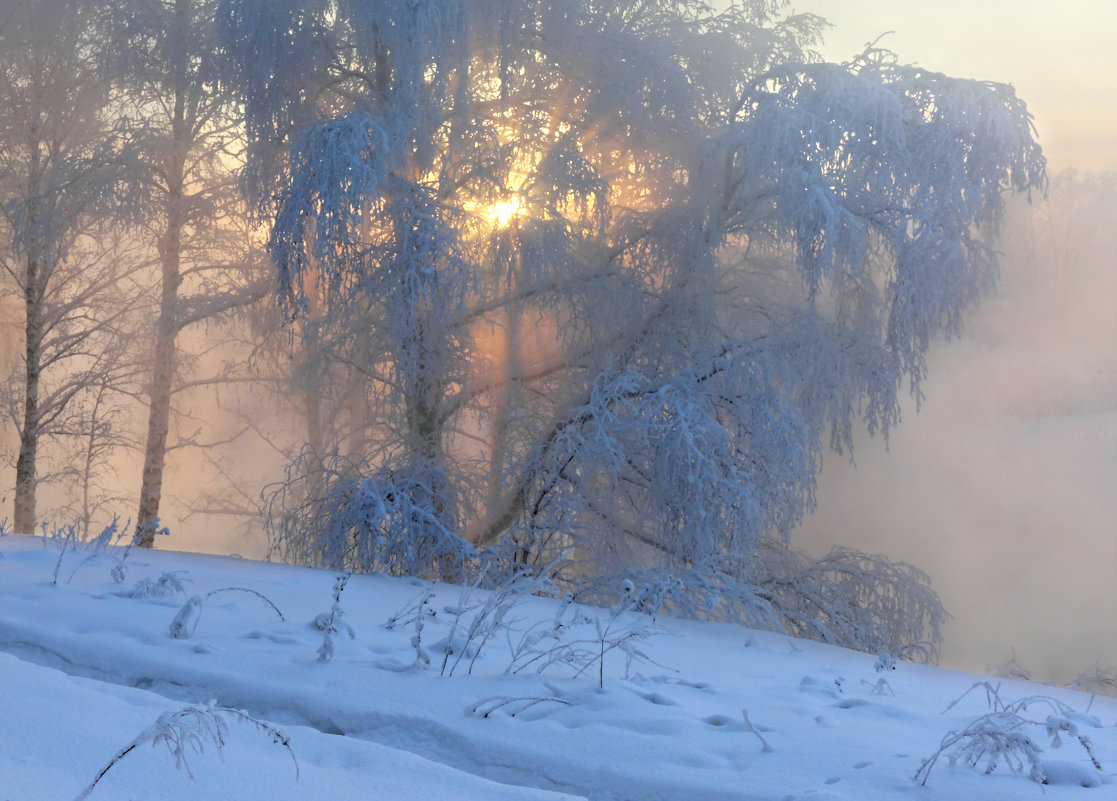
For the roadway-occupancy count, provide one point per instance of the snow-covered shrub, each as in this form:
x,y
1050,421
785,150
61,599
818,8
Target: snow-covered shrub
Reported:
x,y
650,592
190,730
861,601
1012,669
1096,681
186,620
853,599
343,514
1002,736
333,622
998,738
708,590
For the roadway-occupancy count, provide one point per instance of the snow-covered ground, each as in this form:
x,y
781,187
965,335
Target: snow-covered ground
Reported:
x,y
86,670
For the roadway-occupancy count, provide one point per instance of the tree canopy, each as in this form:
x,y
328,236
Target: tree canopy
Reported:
x,y
608,274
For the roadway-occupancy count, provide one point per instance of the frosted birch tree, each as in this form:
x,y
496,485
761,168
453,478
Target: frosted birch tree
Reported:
x,y
610,274
59,173
165,59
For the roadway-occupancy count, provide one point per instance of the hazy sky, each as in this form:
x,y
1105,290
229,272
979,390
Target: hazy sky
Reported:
x,y
1060,55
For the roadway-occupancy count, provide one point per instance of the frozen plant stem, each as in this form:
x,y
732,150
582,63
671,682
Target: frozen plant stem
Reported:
x,y
765,748
186,621
119,571
487,706
415,613
492,615
67,541
99,545
1001,735
332,623
192,727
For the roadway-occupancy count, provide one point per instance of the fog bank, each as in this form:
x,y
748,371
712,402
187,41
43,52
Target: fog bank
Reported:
x,y
1004,487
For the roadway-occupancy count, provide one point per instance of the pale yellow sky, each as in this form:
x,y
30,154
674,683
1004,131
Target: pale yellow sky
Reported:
x,y
1061,55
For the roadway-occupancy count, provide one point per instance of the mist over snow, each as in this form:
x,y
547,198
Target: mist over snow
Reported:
x,y
99,701
1004,486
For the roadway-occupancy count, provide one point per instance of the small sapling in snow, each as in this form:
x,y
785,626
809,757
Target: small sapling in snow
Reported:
x,y
186,621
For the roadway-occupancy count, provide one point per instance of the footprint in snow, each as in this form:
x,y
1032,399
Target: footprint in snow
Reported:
x,y
739,723
850,703
721,721
657,699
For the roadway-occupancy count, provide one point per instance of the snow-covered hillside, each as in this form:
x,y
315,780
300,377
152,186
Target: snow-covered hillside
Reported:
x,y
687,710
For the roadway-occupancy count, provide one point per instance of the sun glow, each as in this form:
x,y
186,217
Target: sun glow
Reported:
x,y
502,213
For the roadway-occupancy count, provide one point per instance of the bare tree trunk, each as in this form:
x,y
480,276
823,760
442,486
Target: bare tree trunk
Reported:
x,y
166,328
26,477
162,378
159,414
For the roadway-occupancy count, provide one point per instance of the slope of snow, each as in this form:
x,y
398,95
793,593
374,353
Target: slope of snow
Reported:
x,y
85,669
